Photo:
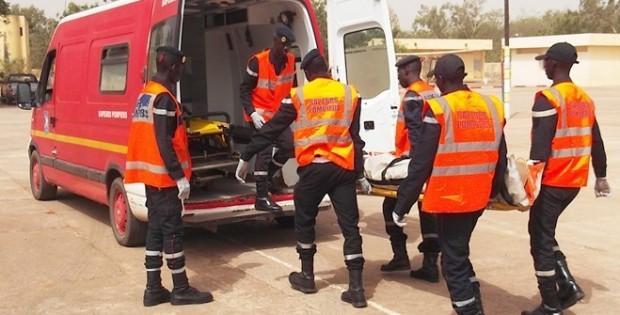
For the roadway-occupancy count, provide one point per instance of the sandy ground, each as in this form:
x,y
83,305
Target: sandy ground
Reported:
x,y
60,257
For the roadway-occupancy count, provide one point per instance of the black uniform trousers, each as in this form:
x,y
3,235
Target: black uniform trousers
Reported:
x,y
428,227
267,163
165,232
455,230
315,181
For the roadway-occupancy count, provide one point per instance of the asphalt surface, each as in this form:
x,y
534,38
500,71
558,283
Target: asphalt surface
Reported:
x,y
60,257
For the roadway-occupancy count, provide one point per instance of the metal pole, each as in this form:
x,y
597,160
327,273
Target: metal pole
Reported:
x,y
506,82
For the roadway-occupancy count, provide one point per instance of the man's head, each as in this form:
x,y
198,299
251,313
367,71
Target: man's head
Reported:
x,y
314,65
170,63
283,38
449,72
559,59
409,70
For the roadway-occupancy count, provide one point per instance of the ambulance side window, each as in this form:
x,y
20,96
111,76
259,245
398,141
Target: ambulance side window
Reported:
x,y
113,75
366,59
46,86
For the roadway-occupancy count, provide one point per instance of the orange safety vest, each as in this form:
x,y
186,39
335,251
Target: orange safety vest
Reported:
x,y
467,155
402,144
569,163
144,162
271,88
325,110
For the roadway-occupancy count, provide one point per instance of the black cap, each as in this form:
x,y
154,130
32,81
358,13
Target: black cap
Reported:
x,y
309,57
285,34
450,67
171,51
562,52
407,60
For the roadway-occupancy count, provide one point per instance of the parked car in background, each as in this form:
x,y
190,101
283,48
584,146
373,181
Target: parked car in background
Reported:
x,y
8,89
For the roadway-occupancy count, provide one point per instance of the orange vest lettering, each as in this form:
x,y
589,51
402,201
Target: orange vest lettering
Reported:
x,y
271,88
467,155
144,162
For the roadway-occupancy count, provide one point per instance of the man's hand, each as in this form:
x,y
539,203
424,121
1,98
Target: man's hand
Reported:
x,y
364,185
257,120
183,185
601,188
242,170
399,220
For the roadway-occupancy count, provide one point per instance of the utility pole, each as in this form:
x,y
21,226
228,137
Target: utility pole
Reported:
x,y
506,72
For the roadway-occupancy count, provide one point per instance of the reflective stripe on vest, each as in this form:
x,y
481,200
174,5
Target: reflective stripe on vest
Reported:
x,y
568,165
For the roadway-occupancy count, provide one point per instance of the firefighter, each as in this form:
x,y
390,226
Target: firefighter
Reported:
x,y
564,136
461,142
408,127
158,156
325,120
269,77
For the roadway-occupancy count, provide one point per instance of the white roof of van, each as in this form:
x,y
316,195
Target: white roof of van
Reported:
x,y
96,10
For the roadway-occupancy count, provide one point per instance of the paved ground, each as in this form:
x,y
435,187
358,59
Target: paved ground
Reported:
x,y
60,257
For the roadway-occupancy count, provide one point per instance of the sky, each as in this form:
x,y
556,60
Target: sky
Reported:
x,y
406,9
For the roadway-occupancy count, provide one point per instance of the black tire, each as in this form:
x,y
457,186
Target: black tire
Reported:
x,y
41,189
127,230
287,222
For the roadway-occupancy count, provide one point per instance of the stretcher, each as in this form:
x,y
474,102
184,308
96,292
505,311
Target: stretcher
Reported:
x,y
385,172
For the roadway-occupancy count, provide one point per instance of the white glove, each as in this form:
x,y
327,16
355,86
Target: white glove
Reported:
x,y
183,185
601,188
364,185
242,170
398,220
257,120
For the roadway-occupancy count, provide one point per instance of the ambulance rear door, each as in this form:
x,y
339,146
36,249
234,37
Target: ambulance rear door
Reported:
x,y
361,53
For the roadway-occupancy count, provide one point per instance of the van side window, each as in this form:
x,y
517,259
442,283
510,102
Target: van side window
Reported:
x,y
45,88
162,34
114,60
366,59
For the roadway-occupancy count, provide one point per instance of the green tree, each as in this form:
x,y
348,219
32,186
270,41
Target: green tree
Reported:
x,y
432,22
4,7
321,15
73,8
40,28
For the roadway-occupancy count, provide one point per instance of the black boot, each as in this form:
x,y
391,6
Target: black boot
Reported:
x,y
469,309
155,293
304,281
400,261
263,200
355,294
569,291
183,293
429,271
543,310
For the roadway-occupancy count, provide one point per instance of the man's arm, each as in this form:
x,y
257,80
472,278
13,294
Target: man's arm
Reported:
x,y
500,169
358,143
544,121
413,104
250,80
599,157
265,136
421,165
165,122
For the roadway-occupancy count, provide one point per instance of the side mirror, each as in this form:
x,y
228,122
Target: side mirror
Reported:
x,y
23,96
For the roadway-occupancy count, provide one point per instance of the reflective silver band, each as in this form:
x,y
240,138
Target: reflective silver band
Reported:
x,y
473,279
177,271
250,72
548,273
430,235
153,269
152,253
175,255
305,246
546,113
465,302
135,165
412,98
261,173
573,132
556,248
287,101
561,104
163,112
571,152
464,169
354,256
430,120
320,160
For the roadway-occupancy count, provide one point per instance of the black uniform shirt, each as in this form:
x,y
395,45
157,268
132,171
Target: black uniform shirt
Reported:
x,y
250,80
165,121
284,117
543,131
421,165
412,109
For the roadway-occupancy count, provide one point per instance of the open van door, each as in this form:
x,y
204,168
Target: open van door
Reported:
x,y
361,53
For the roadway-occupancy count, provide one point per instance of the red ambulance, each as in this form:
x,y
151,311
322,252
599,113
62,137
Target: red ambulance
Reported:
x,y
98,61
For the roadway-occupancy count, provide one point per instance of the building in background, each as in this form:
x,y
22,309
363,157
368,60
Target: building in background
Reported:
x,y
599,62
472,51
14,44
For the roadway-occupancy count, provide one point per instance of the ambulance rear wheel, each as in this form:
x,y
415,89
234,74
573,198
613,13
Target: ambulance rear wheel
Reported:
x,y
127,230
41,189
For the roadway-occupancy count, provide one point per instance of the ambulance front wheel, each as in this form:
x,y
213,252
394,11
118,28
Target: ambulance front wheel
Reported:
x,y
41,189
128,230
